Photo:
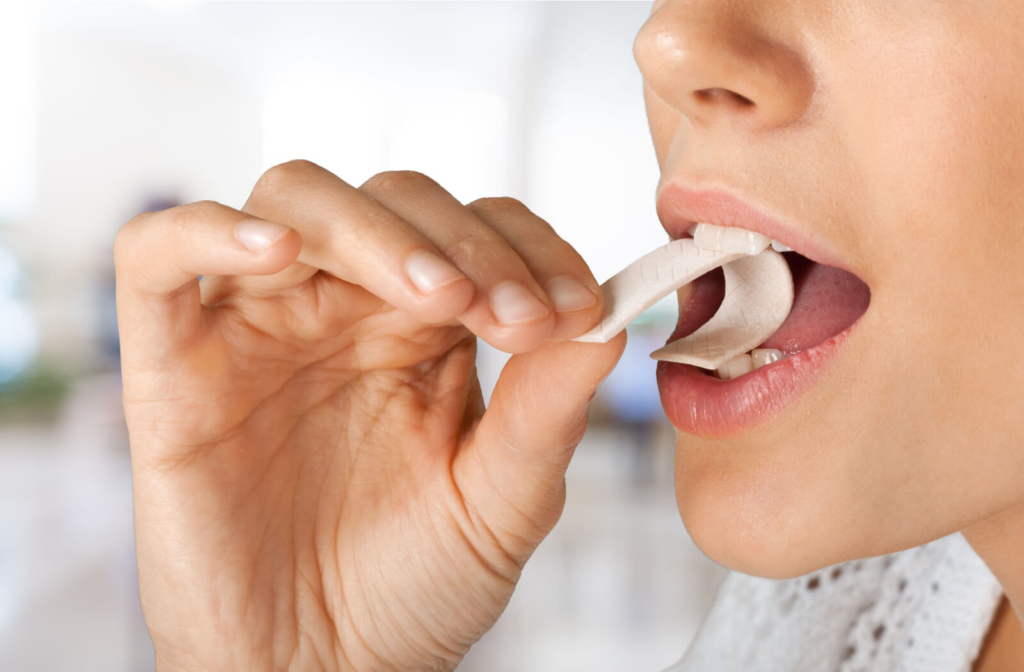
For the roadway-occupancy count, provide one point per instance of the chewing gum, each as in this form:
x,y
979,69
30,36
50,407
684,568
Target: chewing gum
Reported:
x,y
758,298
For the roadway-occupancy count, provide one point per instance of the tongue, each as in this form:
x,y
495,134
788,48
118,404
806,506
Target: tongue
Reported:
x,y
827,301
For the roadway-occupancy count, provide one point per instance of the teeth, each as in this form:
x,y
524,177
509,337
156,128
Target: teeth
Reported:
x,y
729,239
748,362
764,356
736,367
733,239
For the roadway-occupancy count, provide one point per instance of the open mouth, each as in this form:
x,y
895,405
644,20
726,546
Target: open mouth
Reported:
x,y
828,302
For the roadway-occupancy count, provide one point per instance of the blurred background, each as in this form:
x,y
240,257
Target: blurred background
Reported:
x,y
110,109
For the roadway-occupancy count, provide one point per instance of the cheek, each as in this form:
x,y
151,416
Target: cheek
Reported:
x,y
933,126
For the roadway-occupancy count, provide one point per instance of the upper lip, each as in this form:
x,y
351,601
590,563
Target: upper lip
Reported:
x,y
681,206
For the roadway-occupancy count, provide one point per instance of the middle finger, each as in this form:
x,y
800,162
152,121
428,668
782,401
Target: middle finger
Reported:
x,y
510,309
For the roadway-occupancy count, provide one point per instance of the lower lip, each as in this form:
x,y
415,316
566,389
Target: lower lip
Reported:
x,y
699,404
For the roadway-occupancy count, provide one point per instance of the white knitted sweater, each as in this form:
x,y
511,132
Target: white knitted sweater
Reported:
x,y
923,610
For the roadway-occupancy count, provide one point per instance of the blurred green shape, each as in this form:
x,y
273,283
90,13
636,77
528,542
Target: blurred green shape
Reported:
x,y
34,396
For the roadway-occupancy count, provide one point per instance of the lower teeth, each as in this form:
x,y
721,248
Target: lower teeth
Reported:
x,y
748,362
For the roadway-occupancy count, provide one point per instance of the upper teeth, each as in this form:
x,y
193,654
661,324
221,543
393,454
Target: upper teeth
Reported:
x,y
733,240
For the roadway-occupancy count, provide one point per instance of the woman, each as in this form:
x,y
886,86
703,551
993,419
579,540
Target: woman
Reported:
x,y
317,485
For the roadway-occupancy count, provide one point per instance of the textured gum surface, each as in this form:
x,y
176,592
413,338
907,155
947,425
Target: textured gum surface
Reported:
x,y
758,298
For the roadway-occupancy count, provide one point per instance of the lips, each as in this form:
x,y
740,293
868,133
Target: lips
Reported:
x,y
829,301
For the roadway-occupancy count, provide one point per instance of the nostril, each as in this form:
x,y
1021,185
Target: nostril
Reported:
x,y
720,95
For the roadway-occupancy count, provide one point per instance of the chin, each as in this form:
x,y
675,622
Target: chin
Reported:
x,y
761,517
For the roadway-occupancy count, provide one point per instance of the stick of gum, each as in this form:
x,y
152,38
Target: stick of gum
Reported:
x,y
758,298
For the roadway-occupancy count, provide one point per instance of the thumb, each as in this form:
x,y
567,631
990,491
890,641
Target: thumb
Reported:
x,y
512,474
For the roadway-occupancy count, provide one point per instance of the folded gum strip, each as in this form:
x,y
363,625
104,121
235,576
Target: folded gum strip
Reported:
x,y
758,298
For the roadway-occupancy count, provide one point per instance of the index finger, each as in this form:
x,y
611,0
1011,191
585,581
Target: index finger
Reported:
x,y
358,240
159,256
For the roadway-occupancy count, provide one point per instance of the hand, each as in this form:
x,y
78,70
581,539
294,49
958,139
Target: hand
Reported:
x,y
317,485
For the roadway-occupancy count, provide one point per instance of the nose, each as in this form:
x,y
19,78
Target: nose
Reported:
x,y
715,62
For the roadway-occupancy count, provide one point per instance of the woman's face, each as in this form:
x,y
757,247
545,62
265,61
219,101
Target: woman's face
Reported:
x,y
886,139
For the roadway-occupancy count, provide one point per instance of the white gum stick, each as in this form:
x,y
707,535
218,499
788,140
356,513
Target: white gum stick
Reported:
x,y
758,298
649,279
742,319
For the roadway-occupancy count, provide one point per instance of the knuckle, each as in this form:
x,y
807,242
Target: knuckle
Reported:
x,y
474,245
187,217
498,205
397,181
560,249
280,177
124,241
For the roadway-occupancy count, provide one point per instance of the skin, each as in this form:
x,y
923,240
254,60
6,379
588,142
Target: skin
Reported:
x,y
890,133
317,484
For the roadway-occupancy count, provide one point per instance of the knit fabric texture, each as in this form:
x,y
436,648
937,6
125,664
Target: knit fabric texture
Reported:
x,y
922,610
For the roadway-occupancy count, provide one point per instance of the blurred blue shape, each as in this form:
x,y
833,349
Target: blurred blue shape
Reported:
x,y
19,333
631,390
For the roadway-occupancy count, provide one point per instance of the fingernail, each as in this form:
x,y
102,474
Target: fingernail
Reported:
x,y
569,294
430,272
512,303
257,235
